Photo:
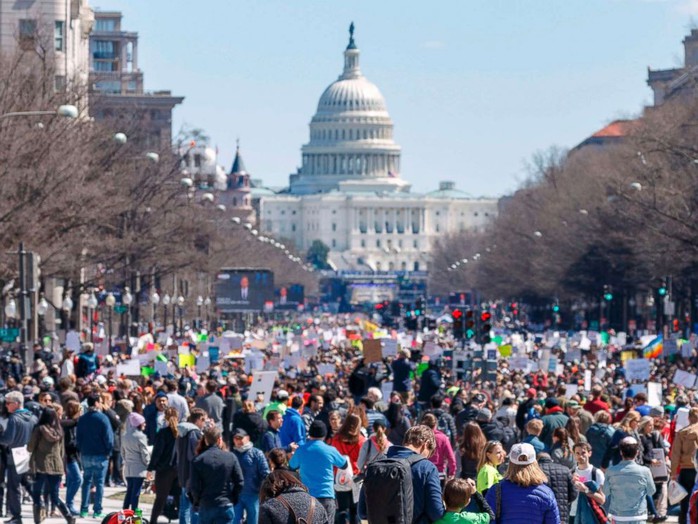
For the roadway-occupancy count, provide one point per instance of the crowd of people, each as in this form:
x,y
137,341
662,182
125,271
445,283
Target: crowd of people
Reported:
x,y
464,447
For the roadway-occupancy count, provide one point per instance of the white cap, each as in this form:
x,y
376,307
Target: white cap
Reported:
x,y
522,454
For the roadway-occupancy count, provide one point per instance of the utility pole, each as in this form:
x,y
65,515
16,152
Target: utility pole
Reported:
x,y
23,306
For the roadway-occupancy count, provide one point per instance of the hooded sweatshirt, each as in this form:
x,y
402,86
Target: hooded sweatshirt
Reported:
x,y
19,429
185,450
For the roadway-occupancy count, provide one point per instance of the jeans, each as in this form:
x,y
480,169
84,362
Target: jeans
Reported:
x,y
187,515
73,481
687,478
330,505
248,503
133,491
94,468
217,515
52,482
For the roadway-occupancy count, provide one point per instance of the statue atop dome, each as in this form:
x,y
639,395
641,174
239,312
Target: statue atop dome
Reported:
x,y
352,44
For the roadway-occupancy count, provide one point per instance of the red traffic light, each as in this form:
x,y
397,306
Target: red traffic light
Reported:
x,y
457,314
485,316
379,306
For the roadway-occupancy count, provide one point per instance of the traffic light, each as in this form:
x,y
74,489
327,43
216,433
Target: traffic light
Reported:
x,y
485,327
675,325
663,290
420,307
556,307
469,324
458,324
607,293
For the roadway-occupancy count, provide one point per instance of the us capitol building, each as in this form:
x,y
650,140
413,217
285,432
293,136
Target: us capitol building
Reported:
x,y
349,194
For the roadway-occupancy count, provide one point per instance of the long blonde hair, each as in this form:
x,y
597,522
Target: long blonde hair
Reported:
x,y
629,417
172,419
526,476
487,449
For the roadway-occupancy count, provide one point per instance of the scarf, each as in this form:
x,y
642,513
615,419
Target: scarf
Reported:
x,y
244,447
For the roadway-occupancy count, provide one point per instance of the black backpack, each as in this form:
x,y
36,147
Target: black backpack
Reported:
x,y
388,490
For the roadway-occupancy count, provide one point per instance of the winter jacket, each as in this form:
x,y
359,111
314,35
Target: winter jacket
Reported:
x,y
115,422
293,428
213,405
430,384
87,364
426,488
522,413
255,469
599,437
447,424
188,436
558,456
163,457
150,413
70,442
216,478
135,452
684,448
397,434
402,368
443,457
612,455
273,511
560,481
467,414
94,434
535,442
47,450
20,425
519,505
253,423
554,419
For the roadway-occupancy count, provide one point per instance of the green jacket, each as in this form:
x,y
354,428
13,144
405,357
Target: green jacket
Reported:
x,y
464,517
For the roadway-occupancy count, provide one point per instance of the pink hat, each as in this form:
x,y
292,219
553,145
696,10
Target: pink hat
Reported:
x,y
135,420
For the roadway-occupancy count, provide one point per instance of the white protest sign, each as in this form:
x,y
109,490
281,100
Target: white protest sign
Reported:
x,y
262,382
72,341
386,389
670,346
432,350
622,338
573,354
130,368
683,378
587,380
654,394
326,369
161,367
585,344
572,390
519,363
686,349
203,362
389,347
637,369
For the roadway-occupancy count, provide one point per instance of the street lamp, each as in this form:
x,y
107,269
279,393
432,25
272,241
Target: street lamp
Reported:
x,y
110,301
154,300
91,305
127,299
67,307
180,304
165,303
199,303
41,309
11,309
207,304
66,111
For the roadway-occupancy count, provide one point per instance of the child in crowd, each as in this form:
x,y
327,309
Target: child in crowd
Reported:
x,y
533,430
457,494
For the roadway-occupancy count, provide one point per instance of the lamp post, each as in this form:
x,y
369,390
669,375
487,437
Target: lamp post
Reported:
x,y
207,305
91,306
67,307
126,299
154,300
165,303
110,301
199,303
66,111
11,309
180,305
41,309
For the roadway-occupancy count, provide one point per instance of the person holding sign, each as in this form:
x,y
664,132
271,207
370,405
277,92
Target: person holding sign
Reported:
x,y
654,457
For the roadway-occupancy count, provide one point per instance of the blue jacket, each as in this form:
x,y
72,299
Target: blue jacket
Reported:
x,y
426,488
255,469
19,429
94,434
599,437
535,442
626,487
519,505
401,374
150,413
293,428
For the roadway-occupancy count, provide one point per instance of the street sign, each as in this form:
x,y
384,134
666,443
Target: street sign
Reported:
x,y
9,334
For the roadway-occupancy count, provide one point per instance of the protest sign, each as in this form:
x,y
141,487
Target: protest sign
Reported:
x,y
129,368
519,363
372,350
587,380
683,378
72,341
386,389
654,394
203,362
326,369
187,360
637,369
214,354
262,382
432,350
161,367
389,347
571,390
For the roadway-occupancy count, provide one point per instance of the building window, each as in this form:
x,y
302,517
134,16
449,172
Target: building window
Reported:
x,y
378,243
403,266
104,49
59,35
283,211
415,244
132,87
476,213
399,244
293,212
293,227
59,83
438,228
363,243
334,243
197,160
334,227
105,24
416,266
27,33
108,86
102,66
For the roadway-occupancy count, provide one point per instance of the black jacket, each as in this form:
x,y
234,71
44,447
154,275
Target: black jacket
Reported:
x,y
560,481
253,423
70,440
430,384
467,414
163,456
216,479
273,511
115,422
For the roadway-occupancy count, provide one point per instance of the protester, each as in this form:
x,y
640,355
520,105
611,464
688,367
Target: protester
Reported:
x,y
445,422
561,451
471,447
522,496
73,475
316,461
561,482
534,428
163,462
628,485
283,499
443,457
216,480
136,456
312,410
251,421
487,473
625,428
457,495
211,403
95,440
377,444
154,414
554,418
47,451
682,452
397,422
599,437
588,481
254,468
188,435
293,428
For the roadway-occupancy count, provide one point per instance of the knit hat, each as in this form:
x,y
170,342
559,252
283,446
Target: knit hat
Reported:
x,y
484,415
135,419
318,429
656,412
522,454
551,402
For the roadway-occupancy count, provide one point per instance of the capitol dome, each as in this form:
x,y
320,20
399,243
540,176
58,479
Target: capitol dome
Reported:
x,y
351,137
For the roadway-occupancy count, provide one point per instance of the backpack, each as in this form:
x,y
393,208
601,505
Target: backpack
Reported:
x,y
388,490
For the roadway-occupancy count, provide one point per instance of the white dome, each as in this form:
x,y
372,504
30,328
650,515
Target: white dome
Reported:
x,y
351,94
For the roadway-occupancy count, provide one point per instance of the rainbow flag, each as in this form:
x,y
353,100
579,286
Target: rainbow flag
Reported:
x,y
654,348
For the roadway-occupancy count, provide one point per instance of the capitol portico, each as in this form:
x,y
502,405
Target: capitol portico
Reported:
x,y
348,192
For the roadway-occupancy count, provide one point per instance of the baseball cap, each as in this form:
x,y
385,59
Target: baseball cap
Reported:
x,y
239,432
479,398
531,392
484,415
522,454
282,394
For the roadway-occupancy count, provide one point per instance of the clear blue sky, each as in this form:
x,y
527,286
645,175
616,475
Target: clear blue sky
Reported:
x,y
474,87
